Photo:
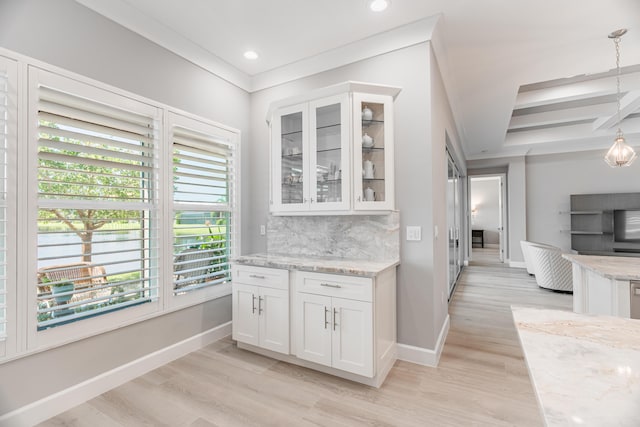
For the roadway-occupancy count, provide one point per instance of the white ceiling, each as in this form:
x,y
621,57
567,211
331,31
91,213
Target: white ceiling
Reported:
x,y
489,49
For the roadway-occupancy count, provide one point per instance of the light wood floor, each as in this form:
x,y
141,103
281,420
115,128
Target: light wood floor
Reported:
x,y
481,380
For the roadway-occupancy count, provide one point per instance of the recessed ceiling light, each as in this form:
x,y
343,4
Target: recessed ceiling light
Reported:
x,y
250,54
379,5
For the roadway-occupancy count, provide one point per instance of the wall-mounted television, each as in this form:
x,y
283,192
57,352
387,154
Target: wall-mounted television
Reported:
x,y
626,225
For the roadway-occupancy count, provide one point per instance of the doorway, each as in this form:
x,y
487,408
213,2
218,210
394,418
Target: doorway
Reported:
x,y
488,214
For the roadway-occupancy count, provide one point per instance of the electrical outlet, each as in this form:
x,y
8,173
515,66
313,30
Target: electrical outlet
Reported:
x,y
414,232
263,230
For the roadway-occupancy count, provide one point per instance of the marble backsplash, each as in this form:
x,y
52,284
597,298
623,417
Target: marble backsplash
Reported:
x,y
366,237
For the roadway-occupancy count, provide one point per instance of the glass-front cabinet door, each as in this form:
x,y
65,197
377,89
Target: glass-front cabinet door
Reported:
x,y
373,152
329,126
290,157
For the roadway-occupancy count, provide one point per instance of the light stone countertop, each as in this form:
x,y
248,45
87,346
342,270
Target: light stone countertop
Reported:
x,y
585,369
353,267
611,267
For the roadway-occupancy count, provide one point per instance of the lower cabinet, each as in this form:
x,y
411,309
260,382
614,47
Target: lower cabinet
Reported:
x,y
342,325
261,312
336,332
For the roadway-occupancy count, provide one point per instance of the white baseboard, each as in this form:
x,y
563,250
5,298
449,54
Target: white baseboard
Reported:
x,y
64,400
425,356
517,264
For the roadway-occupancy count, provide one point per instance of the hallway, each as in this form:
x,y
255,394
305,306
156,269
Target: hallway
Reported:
x,y
481,380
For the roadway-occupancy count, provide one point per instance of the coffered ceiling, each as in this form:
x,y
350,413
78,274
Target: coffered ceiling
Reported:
x,y
523,77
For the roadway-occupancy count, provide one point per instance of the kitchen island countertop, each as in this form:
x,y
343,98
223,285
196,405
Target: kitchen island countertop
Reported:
x,y
585,369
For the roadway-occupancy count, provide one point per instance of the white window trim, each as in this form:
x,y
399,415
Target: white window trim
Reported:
x,y
9,346
23,338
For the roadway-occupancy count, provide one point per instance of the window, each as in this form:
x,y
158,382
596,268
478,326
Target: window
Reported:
x,y
203,177
97,227
125,208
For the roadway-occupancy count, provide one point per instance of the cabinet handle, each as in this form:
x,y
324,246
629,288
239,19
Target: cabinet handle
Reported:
x,y
312,200
329,285
358,198
335,312
256,276
260,305
326,322
253,303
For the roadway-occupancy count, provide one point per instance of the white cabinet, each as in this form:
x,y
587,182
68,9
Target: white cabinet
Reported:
x,y
373,152
333,153
310,153
260,307
332,329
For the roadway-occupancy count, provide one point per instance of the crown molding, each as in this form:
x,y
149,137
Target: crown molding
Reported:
x,y
134,20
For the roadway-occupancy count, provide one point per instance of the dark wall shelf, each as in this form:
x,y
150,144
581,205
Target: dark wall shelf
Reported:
x,y
592,223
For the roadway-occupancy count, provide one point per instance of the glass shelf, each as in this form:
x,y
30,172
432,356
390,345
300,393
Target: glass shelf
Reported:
x,y
333,126
296,132
327,150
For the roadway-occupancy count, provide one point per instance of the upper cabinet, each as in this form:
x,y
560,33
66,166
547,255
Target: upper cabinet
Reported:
x,y
332,151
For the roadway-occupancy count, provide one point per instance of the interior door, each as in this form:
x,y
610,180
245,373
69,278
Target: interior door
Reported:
x,y
502,218
451,188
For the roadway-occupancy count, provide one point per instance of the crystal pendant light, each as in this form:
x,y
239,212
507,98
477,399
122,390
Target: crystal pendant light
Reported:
x,y
620,154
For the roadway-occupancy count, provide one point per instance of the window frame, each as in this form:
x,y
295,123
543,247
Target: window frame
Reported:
x,y
232,137
89,326
23,338
9,345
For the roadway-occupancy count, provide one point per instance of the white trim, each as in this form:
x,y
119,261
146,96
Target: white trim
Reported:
x,y
517,264
133,19
64,400
401,37
425,356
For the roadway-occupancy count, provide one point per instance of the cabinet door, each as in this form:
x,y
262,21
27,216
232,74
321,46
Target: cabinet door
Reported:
x,y
313,338
352,341
329,145
373,152
273,307
245,326
290,159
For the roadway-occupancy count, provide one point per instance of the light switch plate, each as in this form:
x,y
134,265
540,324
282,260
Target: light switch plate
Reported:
x,y
414,232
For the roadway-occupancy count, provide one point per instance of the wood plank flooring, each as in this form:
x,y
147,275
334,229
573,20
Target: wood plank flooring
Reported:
x,y
482,379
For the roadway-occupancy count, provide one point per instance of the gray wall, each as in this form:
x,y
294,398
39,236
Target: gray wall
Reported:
x,y
68,35
551,179
410,69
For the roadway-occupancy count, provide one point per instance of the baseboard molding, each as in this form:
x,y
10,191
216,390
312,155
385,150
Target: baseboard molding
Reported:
x,y
63,400
517,264
425,356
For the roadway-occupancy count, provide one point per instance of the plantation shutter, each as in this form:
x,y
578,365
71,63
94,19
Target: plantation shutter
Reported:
x,y
203,201
4,113
97,228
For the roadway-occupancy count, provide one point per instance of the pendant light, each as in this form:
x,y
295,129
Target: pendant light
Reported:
x,y
620,154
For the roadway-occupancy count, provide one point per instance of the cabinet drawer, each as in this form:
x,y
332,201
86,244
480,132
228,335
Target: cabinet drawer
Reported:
x,y
260,276
349,287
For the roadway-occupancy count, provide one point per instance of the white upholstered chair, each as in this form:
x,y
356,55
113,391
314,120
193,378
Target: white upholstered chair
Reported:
x,y
551,270
524,245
